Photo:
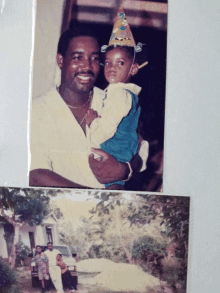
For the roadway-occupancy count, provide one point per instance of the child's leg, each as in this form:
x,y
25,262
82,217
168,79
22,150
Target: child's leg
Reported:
x,y
117,185
43,286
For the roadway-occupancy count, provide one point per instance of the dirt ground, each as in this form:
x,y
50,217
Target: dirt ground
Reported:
x,y
24,278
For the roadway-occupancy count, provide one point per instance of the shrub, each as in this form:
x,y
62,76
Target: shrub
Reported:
x,y
110,249
22,252
148,252
8,280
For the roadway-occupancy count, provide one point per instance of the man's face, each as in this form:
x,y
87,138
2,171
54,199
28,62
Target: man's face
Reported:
x,y
38,249
80,66
50,246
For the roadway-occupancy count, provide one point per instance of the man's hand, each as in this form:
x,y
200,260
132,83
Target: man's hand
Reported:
x,y
107,169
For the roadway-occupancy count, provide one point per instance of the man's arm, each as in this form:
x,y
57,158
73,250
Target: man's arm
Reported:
x,y
44,177
106,171
109,169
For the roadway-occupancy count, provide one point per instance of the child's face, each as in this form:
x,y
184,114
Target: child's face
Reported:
x,y
117,66
59,257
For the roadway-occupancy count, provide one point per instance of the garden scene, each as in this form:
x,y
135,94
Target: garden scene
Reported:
x,y
122,243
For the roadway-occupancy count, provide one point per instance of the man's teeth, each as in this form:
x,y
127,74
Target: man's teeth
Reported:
x,y
84,77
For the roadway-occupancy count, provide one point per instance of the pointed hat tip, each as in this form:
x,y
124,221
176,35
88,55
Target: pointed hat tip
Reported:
x,y
121,33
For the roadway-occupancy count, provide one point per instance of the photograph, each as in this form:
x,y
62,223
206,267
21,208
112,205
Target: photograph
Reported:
x,y
98,95
125,200
66,240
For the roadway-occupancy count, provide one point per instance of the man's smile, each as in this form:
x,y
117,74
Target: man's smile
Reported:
x,y
85,77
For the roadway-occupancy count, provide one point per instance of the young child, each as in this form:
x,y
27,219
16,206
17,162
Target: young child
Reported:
x,y
41,261
67,279
115,130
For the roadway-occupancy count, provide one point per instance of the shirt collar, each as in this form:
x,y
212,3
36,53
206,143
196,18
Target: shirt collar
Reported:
x,y
128,86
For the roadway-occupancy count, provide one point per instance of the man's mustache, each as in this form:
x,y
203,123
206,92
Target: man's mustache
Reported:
x,y
89,72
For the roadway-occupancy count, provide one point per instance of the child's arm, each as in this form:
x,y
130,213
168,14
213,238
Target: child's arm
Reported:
x,y
117,106
47,269
90,116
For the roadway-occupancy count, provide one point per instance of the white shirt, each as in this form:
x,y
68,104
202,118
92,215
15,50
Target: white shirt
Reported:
x,y
52,255
58,142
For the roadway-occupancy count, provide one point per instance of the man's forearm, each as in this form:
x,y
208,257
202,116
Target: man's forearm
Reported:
x,y
44,177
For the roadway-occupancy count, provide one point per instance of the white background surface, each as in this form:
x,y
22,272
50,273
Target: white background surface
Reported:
x,y
192,136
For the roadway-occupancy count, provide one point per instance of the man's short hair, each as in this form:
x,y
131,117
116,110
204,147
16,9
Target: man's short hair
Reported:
x,y
74,32
49,242
38,246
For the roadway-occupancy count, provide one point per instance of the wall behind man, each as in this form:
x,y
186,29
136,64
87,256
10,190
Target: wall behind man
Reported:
x,y
47,33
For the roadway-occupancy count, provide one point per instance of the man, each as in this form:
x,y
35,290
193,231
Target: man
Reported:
x,y
41,261
59,151
54,270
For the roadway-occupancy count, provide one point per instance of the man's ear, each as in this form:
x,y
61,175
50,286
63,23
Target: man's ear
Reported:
x,y
135,68
60,60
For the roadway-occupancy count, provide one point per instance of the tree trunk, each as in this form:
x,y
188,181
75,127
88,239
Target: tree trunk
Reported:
x,y
126,250
12,256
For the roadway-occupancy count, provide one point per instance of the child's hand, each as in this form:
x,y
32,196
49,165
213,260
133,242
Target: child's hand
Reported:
x,y
90,116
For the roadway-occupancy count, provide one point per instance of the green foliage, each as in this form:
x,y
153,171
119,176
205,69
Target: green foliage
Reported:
x,y
148,253
8,281
22,252
173,214
22,206
57,212
28,205
109,249
173,211
146,245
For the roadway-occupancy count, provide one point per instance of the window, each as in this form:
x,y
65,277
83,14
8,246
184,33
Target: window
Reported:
x,y
32,241
49,234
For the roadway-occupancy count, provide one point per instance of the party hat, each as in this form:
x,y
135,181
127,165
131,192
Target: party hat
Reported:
x,y
121,33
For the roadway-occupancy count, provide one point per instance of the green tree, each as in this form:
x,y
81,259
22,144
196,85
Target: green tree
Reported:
x,y
172,212
22,206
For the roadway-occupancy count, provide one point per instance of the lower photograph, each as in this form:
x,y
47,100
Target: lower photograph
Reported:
x,y
61,240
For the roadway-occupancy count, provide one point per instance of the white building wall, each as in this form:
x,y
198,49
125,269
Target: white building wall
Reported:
x,y
47,33
40,236
25,234
56,239
3,247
